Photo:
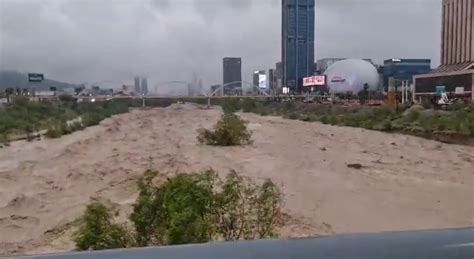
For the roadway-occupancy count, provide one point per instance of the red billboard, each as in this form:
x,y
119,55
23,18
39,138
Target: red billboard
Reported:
x,y
314,81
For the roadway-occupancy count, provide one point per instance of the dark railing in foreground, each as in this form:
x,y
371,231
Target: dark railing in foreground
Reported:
x,y
432,244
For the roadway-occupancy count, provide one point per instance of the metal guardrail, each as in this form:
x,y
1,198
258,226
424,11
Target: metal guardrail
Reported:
x,y
434,244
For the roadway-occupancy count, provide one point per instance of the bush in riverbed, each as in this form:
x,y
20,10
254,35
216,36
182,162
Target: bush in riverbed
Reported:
x,y
98,232
196,208
230,130
54,132
231,105
188,208
92,119
248,105
292,116
3,138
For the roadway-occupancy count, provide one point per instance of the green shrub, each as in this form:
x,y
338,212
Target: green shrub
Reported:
x,y
385,125
333,120
325,119
75,126
384,112
263,111
248,105
98,232
230,130
309,118
196,208
67,99
174,213
267,210
293,116
21,100
425,123
457,106
289,106
4,138
54,133
231,105
350,121
56,129
262,108
146,210
413,116
470,126
91,119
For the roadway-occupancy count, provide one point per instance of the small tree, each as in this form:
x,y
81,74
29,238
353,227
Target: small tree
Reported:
x,y
232,207
145,210
98,232
268,209
196,208
176,212
230,130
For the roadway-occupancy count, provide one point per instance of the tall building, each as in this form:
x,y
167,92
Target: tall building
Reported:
x,y
279,76
298,25
190,89
199,87
272,80
137,85
457,29
232,75
144,88
404,69
456,73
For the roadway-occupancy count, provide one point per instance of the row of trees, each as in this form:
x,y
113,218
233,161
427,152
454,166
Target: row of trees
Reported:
x,y
188,208
25,117
459,120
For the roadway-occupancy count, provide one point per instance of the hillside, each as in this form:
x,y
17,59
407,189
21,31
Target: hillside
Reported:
x,y
16,79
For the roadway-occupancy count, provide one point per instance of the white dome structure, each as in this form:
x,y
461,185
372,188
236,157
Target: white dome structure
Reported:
x,y
350,75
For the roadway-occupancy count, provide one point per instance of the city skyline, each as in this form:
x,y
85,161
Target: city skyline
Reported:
x,y
122,39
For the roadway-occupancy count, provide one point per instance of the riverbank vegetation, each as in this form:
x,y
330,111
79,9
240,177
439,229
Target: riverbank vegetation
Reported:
x,y
455,125
24,118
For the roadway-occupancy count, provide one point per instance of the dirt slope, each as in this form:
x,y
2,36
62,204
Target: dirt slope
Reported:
x,y
405,183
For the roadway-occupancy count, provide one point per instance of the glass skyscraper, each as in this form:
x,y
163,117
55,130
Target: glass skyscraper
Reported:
x,y
232,75
404,69
298,22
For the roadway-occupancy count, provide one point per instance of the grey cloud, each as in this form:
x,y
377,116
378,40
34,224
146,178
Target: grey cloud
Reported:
x,y
84,40
161,5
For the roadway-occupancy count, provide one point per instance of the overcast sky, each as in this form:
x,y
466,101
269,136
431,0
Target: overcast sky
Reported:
x,y
90,40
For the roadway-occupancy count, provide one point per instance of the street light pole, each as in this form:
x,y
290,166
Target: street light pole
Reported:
x,y
396,95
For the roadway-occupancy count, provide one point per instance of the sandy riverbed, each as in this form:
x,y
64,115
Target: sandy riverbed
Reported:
x,y
406,183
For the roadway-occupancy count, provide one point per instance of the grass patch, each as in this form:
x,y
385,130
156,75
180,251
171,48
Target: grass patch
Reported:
x,y
24,117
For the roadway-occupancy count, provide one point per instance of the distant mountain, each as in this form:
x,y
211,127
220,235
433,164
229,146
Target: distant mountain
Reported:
x,y
16,79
